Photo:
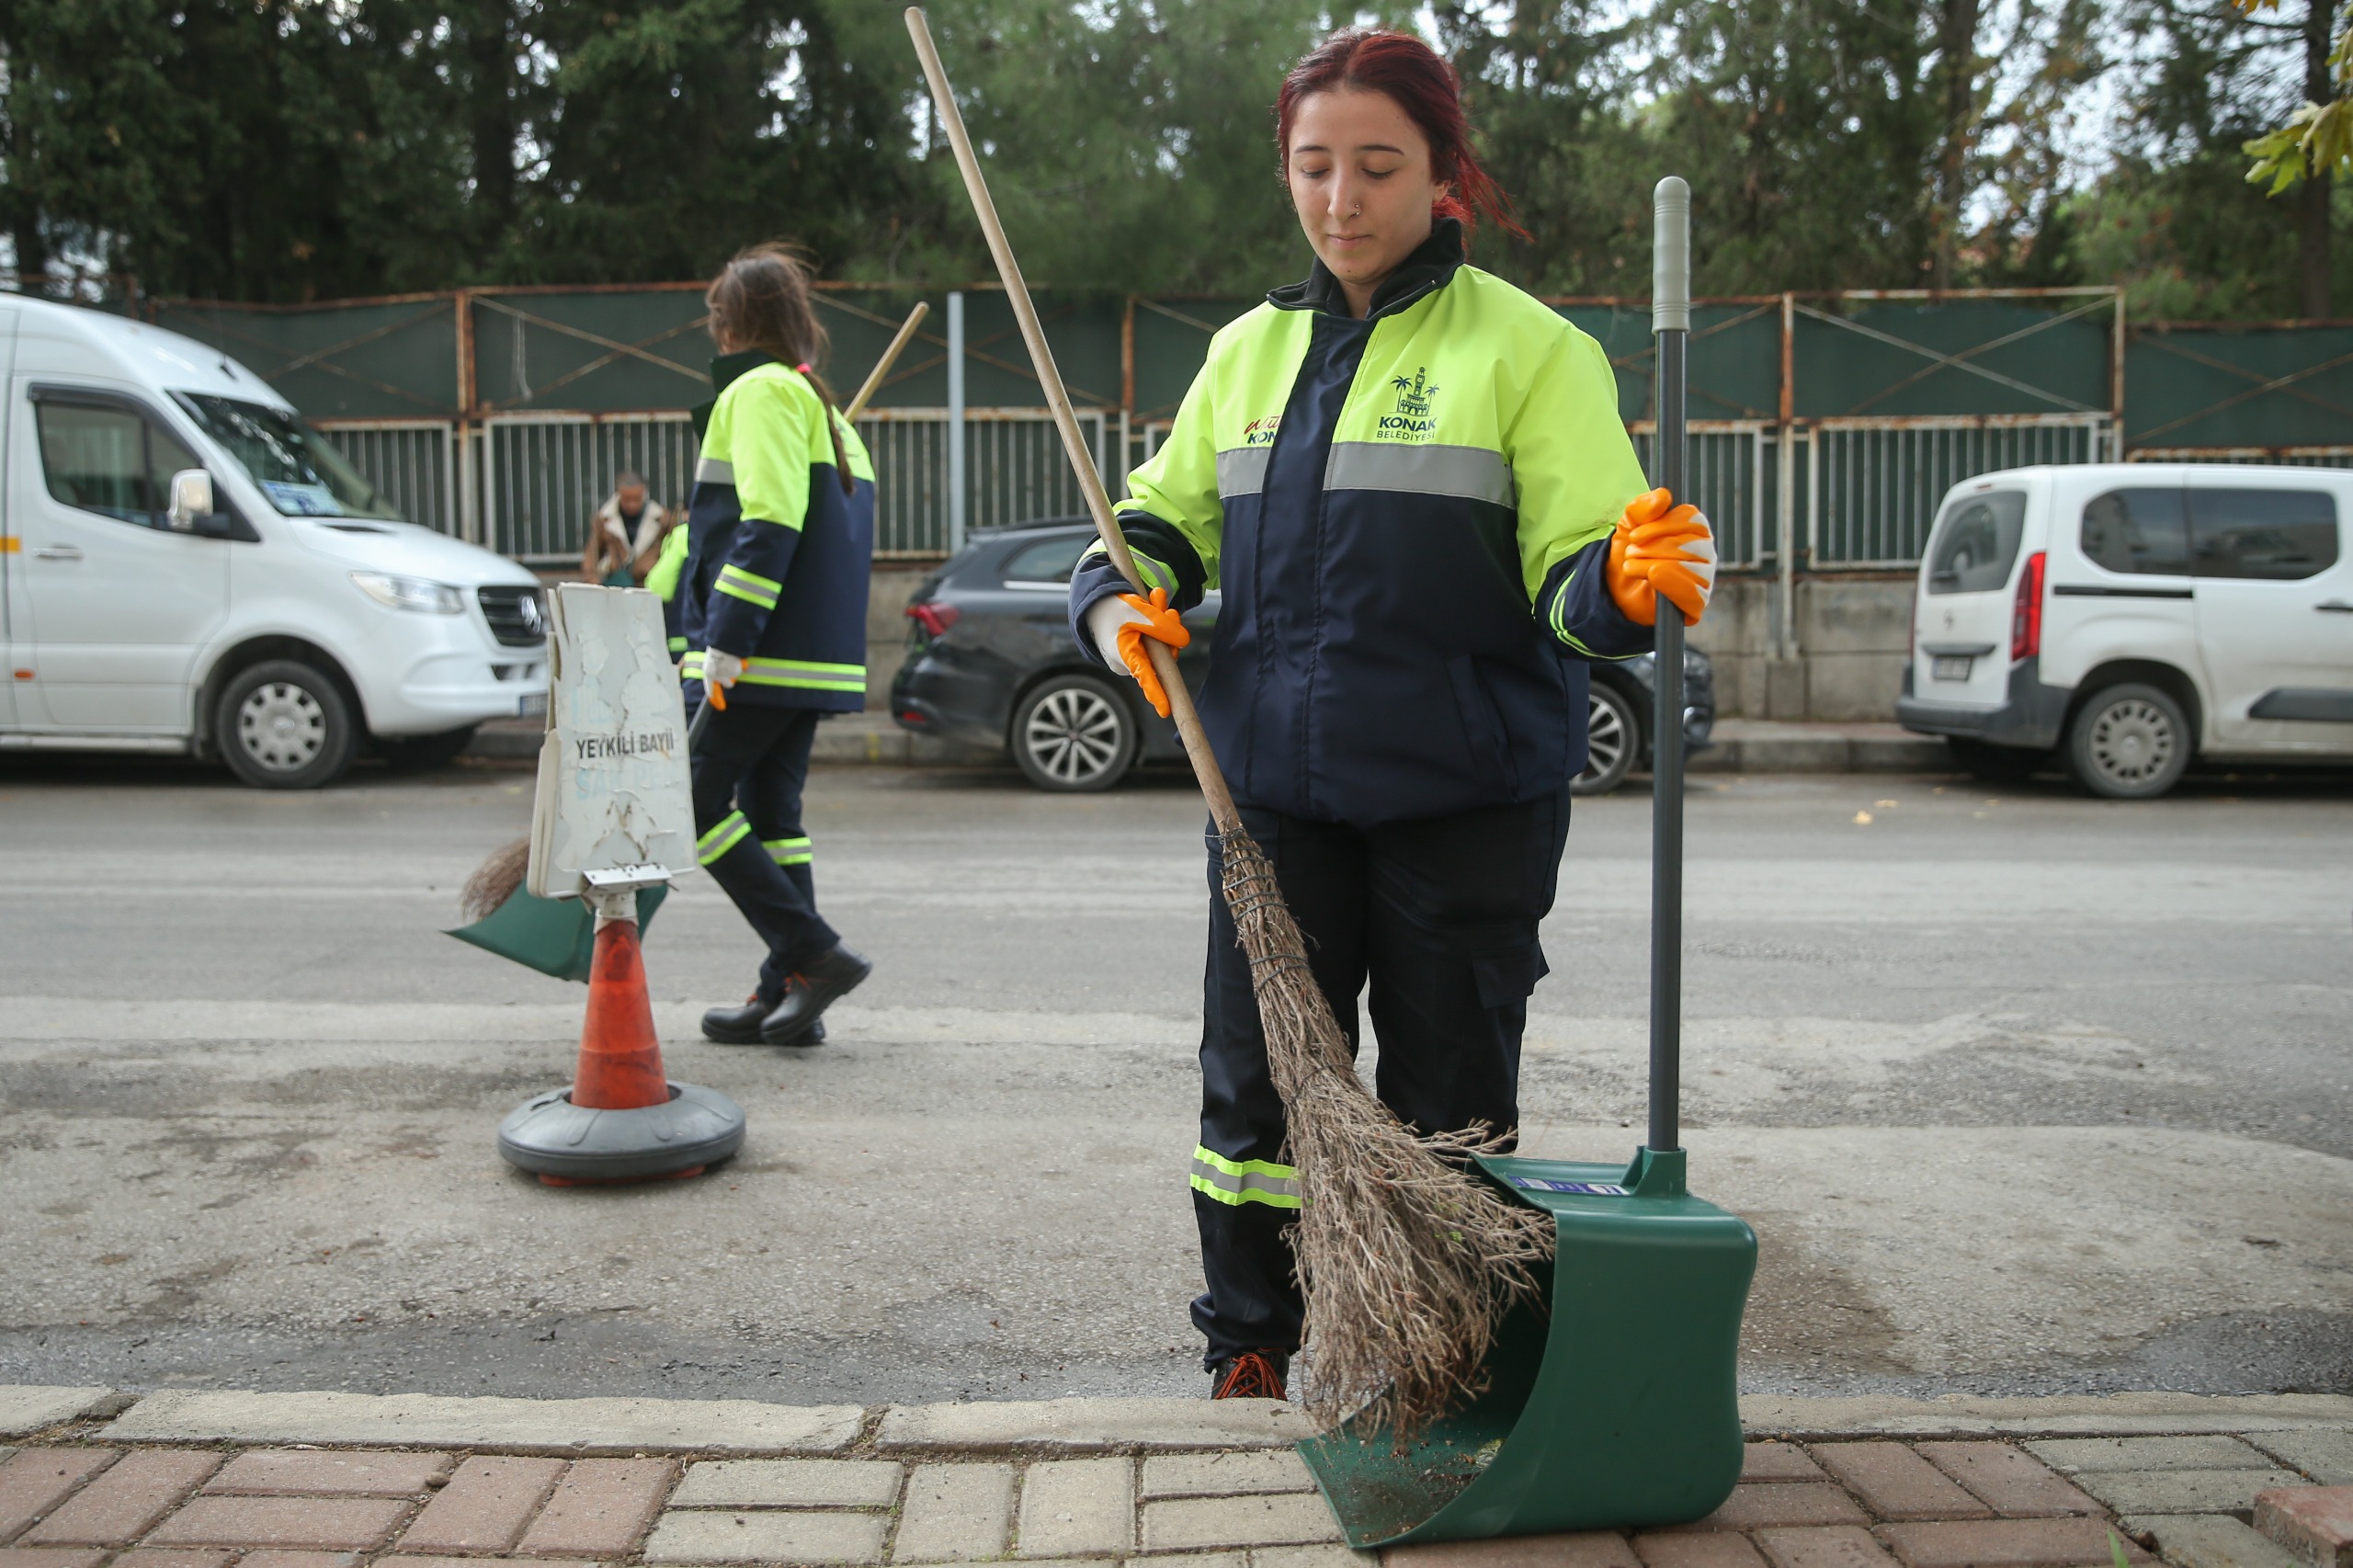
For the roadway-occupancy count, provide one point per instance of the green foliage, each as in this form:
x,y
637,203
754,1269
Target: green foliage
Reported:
x,y
295,149
2317,139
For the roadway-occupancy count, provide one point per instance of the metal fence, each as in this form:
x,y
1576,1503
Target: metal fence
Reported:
x,y
1872,486
1827,426
526,484
412,463
2290,457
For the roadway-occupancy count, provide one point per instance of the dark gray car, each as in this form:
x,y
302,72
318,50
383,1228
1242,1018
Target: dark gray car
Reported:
x,y
990,658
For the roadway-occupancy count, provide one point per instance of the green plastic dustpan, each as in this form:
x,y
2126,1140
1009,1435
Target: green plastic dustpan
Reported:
x,y
1611,1402
1612,1399
554,936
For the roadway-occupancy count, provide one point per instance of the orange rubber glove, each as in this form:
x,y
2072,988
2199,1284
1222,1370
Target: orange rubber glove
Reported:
x,y
1661,549
1125,622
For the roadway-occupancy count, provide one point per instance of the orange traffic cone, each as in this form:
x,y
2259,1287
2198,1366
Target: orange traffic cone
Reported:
x,y
622,1119
621,1057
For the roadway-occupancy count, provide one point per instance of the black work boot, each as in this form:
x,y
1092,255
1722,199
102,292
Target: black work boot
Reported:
x,y
1254,1374
741,1025
815,987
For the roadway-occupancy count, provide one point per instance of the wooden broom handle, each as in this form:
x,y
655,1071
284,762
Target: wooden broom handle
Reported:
x,y
882,366
1082,462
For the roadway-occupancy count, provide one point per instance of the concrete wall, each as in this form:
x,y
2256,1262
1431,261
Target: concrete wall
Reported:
x,y
1852,632
886,626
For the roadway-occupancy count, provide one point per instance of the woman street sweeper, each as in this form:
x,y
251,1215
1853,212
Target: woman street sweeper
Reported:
x,y
772,609
1409,480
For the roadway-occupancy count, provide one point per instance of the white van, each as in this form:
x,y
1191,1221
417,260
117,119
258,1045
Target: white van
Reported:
x,y
185,565
2130,616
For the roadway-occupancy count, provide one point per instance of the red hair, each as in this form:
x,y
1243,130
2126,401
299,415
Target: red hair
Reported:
x,y
1417,80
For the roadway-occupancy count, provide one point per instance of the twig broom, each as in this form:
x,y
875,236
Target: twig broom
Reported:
x,y
1407,1261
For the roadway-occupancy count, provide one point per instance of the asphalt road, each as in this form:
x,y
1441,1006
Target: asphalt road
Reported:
x,y
2023,1091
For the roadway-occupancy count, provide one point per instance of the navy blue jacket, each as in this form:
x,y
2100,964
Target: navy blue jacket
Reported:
x,y
1409,519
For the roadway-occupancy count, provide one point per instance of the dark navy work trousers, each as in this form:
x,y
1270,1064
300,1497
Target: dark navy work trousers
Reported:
x,y
1435,922
749,769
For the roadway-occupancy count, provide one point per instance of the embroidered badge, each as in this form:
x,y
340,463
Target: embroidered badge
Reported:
x,y
1412,420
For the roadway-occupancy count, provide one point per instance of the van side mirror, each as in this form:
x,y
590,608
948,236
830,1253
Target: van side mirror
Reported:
x,y
191,499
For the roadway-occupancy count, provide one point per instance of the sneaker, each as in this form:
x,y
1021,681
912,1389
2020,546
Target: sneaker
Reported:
x,y
813,989
741,1025
1254,1374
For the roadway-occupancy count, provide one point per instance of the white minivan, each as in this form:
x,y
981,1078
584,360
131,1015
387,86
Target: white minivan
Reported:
x,y
185,565
2132,616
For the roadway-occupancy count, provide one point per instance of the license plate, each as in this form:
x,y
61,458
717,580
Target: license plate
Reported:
x,y
534,706
1950,666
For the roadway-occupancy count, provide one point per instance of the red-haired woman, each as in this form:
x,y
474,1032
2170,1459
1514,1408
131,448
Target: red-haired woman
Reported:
x,y
1409,482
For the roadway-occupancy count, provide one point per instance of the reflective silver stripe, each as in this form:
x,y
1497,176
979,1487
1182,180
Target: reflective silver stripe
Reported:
x,y
1474,473
1242,471
714,471
1246,1187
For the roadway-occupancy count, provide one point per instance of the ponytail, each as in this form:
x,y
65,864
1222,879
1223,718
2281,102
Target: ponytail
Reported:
x,y
834,422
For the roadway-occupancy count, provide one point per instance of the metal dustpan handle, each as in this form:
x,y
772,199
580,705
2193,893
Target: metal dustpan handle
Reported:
x,y
1671,324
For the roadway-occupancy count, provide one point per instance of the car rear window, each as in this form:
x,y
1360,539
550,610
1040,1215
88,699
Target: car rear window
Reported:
x,y
2137,531
2281,535
1048,560
1976,543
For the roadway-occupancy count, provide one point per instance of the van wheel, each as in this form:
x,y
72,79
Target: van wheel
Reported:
x,y
1613,734
283,724
1995,765
2129,743
1073,734
414,754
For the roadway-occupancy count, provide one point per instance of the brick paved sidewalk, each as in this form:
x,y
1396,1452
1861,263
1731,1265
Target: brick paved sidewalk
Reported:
x,y
1061,1482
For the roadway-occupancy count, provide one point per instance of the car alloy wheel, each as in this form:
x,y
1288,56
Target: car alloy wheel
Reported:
x,y
281,727
1073,734
1612,736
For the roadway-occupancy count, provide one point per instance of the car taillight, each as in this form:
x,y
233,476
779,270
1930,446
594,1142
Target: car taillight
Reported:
x,y
933,616
2026,616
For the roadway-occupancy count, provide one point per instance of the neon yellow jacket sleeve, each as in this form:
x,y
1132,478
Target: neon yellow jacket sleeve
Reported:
x,y
1573,465
1177,486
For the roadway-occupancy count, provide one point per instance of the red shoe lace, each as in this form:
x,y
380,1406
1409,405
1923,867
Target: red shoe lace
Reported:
x,y
1252,1376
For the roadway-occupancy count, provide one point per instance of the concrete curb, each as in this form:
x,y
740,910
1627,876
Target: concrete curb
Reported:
x,y
577,1426
509,1426
1092,1425
1742,746
851,740
30,1407
2084,1416
1757,745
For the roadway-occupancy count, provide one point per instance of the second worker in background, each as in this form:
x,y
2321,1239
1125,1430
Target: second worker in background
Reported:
x,y
772,607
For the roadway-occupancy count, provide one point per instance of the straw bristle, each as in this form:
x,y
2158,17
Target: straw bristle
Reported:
x,y
1407,1261
495,881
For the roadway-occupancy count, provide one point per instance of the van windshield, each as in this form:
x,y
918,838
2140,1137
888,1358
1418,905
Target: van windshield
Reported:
x,y
292,464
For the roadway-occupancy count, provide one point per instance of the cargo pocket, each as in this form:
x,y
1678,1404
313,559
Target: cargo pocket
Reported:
x,y
1483,726
1508,976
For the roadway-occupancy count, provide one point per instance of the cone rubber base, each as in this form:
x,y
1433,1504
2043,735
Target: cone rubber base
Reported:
x,y
550,1136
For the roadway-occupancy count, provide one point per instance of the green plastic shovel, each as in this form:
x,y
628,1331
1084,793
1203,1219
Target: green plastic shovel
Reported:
x,y
1612,1399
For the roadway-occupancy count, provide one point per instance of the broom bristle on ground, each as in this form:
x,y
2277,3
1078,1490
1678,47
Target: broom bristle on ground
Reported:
x,y
1407,1261
495,881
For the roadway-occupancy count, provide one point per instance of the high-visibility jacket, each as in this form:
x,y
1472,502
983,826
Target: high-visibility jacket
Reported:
x,y
778,555
1408,517
669,567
